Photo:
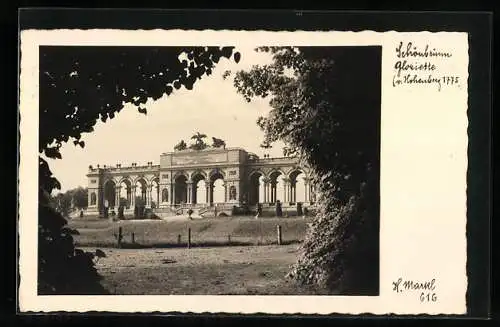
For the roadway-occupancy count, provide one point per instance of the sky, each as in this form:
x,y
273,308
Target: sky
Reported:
x,y
213,107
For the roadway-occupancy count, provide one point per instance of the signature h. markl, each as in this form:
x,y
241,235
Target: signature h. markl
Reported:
x,y
402,285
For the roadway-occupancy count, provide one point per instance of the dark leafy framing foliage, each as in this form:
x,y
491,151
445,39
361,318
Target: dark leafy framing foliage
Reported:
x,y
62,269
79,86
326,108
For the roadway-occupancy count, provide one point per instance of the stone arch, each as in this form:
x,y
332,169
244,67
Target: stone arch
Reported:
x,y
275,171
198,172
217,187
217,172
199,189
155,192
125,189
256,171
125,179
256,190
154,178
180,188
277,185
295,171
138,178
109,193
107,180
180,173
298,191
141,185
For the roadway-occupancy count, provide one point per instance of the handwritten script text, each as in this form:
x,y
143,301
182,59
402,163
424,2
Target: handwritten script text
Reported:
x,y
417,65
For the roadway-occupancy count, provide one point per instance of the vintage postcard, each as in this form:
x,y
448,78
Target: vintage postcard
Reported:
x,y
243,171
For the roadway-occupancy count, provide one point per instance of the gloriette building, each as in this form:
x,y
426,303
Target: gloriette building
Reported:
x,y
188,179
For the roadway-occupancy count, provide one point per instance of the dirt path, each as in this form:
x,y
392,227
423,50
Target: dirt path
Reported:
x,y
120,258
220,270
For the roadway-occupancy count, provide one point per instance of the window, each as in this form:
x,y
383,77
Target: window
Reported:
x,y
232,193
93,199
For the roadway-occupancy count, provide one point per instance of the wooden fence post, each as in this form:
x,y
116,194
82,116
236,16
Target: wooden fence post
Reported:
x,y
119,237
133,238
189,238
278,228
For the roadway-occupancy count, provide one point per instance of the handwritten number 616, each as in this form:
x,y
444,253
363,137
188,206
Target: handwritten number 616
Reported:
x,y
428,297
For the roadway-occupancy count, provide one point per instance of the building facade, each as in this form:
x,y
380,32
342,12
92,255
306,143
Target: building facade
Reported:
x,y
188,178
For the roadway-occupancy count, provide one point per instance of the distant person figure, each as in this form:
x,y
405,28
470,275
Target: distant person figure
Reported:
x,y
299,209
305,211
120,212
106,209
259,209
279,210
257,215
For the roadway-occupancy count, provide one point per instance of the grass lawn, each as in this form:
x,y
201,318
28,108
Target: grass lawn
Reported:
x,y
204,232
243,270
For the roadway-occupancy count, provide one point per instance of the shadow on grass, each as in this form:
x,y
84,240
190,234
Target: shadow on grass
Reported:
x,y
167,245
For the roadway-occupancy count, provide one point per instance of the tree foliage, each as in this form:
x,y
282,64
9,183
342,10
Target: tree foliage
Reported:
x,y
62,269
266,144
79,86
70,200
326,109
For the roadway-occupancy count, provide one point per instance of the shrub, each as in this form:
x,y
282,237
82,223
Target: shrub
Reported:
x,y
62,269
340,251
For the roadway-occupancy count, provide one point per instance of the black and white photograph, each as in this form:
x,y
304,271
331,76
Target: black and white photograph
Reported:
x,y
243,172
209,170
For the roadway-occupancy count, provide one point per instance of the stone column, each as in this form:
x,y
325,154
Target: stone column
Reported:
x,y
225,193
172,194
265,191
117,196
129,196
273,192
208,185
149,195
270,192
306,189
286,192
189,188
132,196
